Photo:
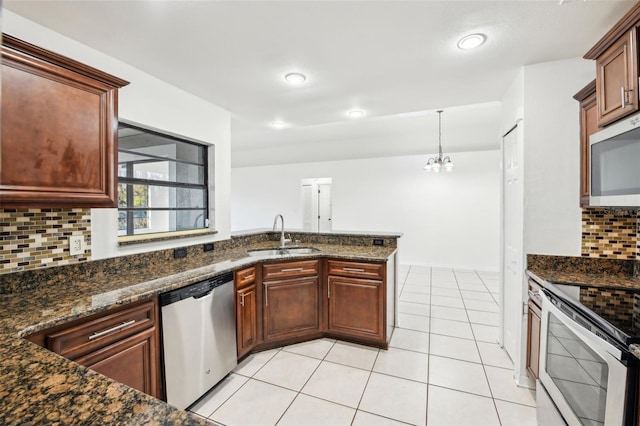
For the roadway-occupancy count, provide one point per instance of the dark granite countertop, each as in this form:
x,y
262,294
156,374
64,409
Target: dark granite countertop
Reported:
x,y
585,272
38,386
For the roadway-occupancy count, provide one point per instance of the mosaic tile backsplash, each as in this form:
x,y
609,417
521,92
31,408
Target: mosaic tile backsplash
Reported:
x,y
610,233
39,238
616,303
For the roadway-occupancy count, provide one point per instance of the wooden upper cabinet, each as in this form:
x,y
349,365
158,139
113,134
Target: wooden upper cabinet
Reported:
x,y
617,80
59,130
616,56
588,126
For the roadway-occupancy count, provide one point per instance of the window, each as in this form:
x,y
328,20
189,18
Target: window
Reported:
x,y
162,182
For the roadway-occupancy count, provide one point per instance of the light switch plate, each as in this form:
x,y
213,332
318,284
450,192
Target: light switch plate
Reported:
x,y
76,245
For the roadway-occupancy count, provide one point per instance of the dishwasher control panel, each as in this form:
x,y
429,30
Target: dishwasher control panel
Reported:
x,y
196,290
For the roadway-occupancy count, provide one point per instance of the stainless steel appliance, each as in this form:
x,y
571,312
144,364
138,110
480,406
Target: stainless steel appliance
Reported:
x,y
199,333
614,167
586,370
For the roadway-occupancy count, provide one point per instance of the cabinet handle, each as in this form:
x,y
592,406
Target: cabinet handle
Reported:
x,y
353,269
266,291
293,270
534,294
112,329
248,277
242,299
623,97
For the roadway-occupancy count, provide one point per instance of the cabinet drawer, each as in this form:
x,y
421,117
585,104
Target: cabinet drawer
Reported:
x,y
534,293
88,336
356,269
289,269
245,277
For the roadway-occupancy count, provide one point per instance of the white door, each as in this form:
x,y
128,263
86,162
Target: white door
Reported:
x,y
316,204
309,222
324,207
512,267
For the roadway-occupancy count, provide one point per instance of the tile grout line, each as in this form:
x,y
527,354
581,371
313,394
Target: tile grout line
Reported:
x,y
365,387
426,414
305,383
484,370
247,381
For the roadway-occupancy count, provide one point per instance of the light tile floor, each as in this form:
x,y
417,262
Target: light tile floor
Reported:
x,y
443,367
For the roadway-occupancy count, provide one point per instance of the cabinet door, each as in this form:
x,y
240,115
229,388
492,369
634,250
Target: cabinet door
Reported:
x,y
356,307
533,340
617,80
246,321
588,126
291,307
58,137
132,361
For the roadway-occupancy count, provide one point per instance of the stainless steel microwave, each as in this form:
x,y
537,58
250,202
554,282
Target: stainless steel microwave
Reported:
x,y
614,165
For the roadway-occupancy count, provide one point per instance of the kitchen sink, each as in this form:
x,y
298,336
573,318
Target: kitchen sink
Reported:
x,y
282,252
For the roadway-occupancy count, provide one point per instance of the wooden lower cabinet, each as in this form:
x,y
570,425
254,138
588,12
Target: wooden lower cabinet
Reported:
x,y
291,307
287,302
356,307
132,361
533,340
246,319
122,343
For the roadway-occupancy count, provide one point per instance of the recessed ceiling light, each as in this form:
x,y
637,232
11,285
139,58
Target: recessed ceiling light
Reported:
x,y
356,113
279,124
295,78
472,41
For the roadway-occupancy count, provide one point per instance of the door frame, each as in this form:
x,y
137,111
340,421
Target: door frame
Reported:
x,y
520,345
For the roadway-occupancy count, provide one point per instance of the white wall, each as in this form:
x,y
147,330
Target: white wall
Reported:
x,y
450,219
147,101
552,221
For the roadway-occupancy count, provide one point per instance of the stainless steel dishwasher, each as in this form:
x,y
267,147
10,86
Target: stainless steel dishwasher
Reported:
x,y
199,333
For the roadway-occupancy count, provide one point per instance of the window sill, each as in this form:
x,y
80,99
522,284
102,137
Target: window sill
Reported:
x,y
162,236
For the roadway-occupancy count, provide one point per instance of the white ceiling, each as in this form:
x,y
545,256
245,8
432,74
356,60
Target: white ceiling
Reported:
x,y
385,57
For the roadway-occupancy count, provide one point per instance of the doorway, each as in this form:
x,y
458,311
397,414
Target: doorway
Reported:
x,y
316,204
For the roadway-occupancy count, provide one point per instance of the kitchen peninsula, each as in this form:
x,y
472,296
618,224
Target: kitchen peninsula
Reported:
x,y
36,385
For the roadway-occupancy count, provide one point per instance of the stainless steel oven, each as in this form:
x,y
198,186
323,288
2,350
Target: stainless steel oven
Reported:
x,y
588,374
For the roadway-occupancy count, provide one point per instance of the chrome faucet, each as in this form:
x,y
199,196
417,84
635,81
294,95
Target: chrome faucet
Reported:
x,y
283,240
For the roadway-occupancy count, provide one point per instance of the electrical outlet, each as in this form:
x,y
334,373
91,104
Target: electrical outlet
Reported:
x,y
76,245
378,242
180,252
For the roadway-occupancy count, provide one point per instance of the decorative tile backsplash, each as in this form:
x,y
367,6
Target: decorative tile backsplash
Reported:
x,y
615,303
610,233
39,238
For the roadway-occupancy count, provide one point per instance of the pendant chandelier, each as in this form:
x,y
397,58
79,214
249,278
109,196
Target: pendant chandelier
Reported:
x,y
435,164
